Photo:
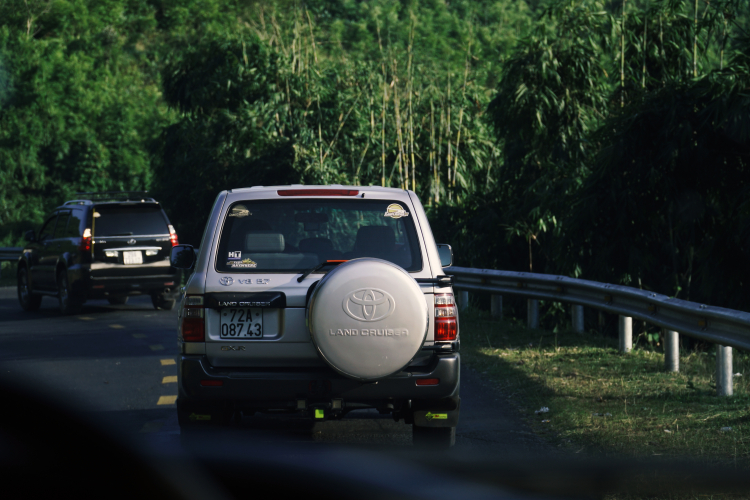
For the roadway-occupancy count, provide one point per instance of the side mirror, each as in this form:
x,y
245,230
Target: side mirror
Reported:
x,y
182,257
446,255
30,236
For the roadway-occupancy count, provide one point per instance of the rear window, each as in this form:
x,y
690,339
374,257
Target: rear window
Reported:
x,y
294,235
126,220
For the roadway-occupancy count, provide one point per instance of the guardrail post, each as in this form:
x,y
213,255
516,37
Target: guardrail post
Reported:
x,y
532,314
626,334
577,318
463,300
496,306
671,350
724,375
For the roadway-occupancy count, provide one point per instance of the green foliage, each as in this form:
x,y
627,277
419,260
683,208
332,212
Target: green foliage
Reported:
x,y
76,115
666,205
224,89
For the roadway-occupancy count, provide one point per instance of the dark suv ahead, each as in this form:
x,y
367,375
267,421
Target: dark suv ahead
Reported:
x,y
102,246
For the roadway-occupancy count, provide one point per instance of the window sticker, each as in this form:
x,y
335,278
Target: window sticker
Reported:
x,y
246,263
395,211
239,211
235,255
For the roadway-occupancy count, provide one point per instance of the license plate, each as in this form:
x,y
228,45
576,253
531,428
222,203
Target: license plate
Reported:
x,y
241,323
134,257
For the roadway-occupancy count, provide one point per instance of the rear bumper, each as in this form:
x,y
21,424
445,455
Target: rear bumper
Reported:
x,y
280,388
131,285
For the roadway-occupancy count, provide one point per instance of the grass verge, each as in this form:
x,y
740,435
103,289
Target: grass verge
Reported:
x,y
602,401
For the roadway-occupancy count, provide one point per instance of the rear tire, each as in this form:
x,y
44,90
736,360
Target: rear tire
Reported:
x,y
118,300
68,303
29,301
161,302
434,438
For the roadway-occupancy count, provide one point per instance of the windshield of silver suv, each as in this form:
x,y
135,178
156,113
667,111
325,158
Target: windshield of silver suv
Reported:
x,y
295,235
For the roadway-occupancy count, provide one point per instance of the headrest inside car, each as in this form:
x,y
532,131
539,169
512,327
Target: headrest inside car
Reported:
x,y
375,238
264,242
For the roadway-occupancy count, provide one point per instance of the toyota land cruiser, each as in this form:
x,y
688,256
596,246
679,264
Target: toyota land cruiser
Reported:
x,y
320,300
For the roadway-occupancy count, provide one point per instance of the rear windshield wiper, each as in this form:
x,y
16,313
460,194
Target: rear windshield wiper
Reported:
x,y
319,267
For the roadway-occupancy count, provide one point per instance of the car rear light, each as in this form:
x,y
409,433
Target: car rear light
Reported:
x,y
212,383
428,381
85,244
318,192
173,236
446,318
193,320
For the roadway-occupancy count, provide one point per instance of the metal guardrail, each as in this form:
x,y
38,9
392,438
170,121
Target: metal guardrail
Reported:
x,y
724,327
10,253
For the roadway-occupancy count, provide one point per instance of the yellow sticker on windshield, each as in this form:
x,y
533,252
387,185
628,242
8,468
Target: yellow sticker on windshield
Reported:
x,y
395,211
244,263
319,413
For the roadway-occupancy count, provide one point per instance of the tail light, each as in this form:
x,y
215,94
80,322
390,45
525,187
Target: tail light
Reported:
x,y
85,244
173,236
446,318
193,325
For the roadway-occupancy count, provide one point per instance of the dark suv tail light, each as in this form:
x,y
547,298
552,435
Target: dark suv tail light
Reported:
x,y
173,236
85,244
446,317
193,325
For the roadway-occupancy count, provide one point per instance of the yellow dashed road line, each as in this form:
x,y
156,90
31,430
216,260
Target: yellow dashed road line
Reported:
x,y
139,336
85,318
165,362
169,379
117,327
157,347
166,400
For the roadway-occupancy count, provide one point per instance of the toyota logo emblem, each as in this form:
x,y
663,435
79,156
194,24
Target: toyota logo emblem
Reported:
x,y
131,241
226,280
369,304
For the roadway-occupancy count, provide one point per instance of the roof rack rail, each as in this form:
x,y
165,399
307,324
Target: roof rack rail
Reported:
x,y
78,202
92,196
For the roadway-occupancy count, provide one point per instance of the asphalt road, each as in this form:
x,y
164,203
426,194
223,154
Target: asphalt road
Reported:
x,y
117,364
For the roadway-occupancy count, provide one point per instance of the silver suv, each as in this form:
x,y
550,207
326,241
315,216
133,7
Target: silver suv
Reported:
x,y
320,300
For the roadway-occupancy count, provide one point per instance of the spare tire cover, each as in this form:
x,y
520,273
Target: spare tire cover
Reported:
x,y
368,318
